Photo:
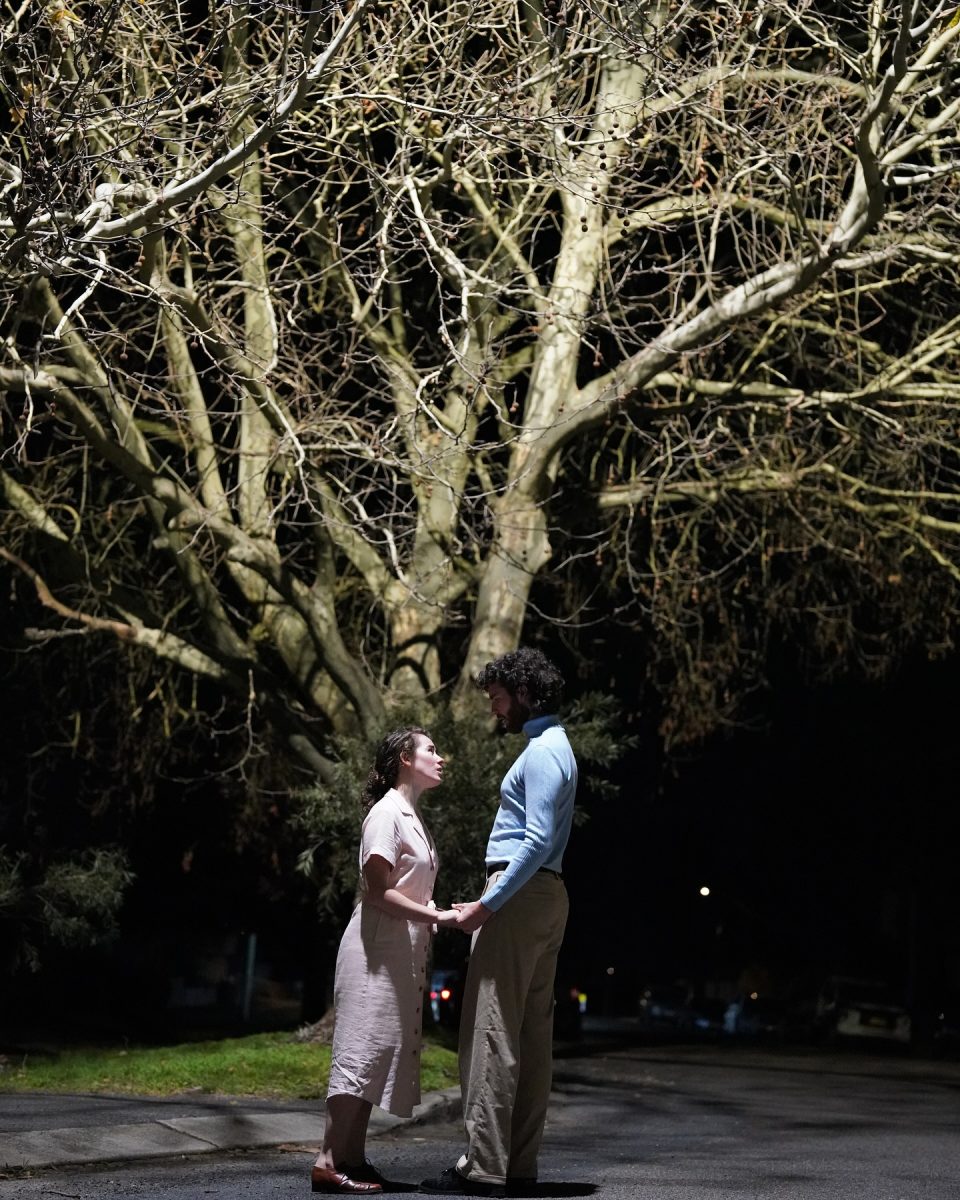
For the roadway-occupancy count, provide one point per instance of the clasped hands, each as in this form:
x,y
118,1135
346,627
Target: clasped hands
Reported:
x,y
467,916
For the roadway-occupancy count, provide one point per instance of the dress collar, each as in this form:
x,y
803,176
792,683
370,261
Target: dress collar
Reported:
x,y
401,802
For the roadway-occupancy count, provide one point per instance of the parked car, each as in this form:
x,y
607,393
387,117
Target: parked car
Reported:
x,y
861,1008
752,1015
446,997
946,1026
663,1006
702,1016
569,1006
446,985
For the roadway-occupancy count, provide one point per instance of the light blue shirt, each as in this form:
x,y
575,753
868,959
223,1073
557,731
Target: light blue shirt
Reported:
x,y
536,810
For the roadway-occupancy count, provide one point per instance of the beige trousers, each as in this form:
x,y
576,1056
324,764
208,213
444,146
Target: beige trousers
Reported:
x,y
506,1031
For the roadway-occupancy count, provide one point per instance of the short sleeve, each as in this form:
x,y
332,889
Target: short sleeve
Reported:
x,y
381,835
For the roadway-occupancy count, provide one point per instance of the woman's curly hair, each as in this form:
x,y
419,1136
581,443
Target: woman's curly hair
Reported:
x,y
525,667
386,763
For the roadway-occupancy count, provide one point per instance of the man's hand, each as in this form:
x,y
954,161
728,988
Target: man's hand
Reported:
x,y
471,916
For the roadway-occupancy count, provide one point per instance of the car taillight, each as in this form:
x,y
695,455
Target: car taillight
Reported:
x,y
433,995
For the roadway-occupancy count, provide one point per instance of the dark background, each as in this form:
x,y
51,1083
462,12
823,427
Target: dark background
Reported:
x,y
827,835
828,841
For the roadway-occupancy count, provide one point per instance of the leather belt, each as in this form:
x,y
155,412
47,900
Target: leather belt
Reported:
x,y
492,868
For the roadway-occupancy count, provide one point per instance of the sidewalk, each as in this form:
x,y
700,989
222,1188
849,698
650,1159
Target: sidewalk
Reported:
x,y
41,1129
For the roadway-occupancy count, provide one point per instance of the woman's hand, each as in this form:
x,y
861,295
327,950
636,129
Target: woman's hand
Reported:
x,y
447,918
377,892
471,915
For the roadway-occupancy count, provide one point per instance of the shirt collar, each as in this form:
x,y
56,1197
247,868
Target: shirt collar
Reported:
x,y
402,802
536,725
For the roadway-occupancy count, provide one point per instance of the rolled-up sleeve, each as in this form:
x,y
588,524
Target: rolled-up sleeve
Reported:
x,y
381,835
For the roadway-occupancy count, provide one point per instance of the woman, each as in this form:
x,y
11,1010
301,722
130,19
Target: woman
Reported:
x,y
381,966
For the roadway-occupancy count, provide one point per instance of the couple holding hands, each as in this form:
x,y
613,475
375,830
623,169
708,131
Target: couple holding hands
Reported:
x,y
506,1021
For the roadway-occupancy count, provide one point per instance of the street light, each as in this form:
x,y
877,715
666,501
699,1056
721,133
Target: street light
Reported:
x,y
705,892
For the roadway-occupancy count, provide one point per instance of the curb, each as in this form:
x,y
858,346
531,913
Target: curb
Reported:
x,y
232,1130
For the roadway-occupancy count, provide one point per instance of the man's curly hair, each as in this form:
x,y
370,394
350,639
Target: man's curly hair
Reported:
x,y
529,667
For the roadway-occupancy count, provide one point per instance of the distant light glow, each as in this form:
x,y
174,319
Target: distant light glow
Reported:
x,y
753,995
704,891
611,970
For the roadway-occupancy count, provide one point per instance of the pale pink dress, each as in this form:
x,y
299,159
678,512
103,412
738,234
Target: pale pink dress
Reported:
x,y
382,969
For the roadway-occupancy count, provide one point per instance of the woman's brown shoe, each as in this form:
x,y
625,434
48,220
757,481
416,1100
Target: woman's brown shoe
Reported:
x,y
325,1179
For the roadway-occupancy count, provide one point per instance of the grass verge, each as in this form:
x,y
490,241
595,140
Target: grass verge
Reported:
x,y
263,1064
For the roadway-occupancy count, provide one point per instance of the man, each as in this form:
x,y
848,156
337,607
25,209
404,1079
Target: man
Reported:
x,y
506,1022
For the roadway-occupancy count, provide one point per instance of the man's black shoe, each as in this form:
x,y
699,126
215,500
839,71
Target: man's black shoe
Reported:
x,y
451,1183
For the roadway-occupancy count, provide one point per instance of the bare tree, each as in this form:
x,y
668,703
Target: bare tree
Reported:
x,y
329,333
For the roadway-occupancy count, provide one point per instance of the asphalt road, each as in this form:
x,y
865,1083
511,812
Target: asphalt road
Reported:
x,y
671,1123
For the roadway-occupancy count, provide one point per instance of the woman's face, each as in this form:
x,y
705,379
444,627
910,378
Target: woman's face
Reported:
x,y
423,766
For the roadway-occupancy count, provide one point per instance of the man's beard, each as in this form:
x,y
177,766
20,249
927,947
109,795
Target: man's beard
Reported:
x,y
514,720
